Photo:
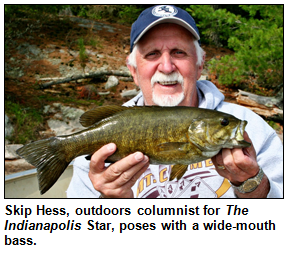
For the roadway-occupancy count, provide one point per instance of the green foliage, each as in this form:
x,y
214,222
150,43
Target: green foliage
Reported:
x,y
256,38
274,125
83,12
215,26
123,14
129,13
31,10
95,42
82,50
24,120
21,21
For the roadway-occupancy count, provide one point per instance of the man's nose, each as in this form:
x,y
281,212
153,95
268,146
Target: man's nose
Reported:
x,y
166,64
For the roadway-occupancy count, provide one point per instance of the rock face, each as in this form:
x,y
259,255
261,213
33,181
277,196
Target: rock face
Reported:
x,y
10,151
111,82
16,166
129,93
65,120
8,127
13,163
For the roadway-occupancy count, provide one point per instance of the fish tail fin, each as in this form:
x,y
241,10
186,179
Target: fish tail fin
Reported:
x,y
48,155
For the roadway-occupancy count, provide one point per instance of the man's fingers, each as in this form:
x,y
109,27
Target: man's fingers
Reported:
x,y
217,159
232,158
246,137
117,179
249,151
130,176
126,168
97,162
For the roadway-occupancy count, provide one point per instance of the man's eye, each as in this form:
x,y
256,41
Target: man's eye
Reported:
x,y
151,54
179,53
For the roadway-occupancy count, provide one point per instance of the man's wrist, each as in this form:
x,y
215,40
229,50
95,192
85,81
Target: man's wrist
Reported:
x,y
250,184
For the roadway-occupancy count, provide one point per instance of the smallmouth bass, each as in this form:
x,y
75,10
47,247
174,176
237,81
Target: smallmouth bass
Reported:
x,y
176,136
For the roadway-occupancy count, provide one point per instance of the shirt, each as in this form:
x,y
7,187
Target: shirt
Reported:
x,y
201,180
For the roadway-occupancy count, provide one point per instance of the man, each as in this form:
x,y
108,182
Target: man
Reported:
x,y
166,61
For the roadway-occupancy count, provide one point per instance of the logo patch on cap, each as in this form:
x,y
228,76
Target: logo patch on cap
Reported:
x,y
164,11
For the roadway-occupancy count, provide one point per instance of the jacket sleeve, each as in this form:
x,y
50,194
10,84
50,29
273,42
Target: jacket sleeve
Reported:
x,y
270,159
268,146
269,150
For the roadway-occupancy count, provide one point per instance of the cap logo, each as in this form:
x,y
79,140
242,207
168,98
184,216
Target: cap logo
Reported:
x,y
164,11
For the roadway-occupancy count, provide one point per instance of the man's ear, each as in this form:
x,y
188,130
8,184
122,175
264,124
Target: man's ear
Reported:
x,y
132,70
200,68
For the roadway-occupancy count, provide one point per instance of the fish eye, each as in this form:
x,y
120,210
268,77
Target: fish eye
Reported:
x,y
224,122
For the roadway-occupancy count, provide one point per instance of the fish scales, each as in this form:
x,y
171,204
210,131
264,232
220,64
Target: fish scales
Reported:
x,y
144,130
167,135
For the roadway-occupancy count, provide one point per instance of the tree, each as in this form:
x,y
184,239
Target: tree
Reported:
x,y
256,38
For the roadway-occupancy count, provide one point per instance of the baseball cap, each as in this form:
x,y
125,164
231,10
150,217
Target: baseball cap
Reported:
x,y
161,14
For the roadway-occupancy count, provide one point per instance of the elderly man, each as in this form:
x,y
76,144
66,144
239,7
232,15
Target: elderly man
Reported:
x,y
166,61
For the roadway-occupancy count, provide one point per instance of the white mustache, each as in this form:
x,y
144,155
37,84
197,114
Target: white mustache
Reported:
x,y
167,79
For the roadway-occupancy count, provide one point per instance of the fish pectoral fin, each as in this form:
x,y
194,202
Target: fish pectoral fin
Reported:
x,y
93,116
178,171
173,147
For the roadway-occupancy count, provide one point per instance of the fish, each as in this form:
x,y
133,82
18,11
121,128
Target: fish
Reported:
x,y
177,136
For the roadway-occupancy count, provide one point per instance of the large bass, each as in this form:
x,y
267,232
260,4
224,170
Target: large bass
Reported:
x,y
167,135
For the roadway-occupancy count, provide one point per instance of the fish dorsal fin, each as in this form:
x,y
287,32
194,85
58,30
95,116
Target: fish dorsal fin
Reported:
x,y
93,116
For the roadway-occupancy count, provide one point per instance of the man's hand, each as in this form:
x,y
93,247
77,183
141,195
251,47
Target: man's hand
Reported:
x,y
238,165
116,180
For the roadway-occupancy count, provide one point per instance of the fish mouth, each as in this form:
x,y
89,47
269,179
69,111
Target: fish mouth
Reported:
x,y
239,139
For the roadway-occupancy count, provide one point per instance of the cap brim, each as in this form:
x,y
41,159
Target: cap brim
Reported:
x,y
174,20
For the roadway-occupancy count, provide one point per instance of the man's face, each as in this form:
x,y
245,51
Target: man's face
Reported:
x,y
166,54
